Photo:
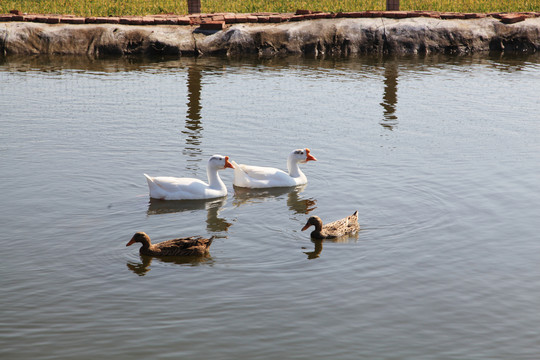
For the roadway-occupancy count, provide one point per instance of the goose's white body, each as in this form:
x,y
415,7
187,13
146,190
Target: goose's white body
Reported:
x,y
258,177
173,188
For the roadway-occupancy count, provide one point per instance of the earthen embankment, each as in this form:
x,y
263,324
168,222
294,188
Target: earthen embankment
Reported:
x,y
266,34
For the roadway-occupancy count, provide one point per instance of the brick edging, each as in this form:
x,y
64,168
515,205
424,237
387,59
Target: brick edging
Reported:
x,y
217,21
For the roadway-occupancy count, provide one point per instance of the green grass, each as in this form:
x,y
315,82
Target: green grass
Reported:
x,y
146,7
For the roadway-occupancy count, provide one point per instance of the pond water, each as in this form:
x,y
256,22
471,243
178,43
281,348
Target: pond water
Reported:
x,y
440,156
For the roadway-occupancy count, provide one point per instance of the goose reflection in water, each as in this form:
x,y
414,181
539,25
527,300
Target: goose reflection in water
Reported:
x,y
213,222
318,243
244,196
144,266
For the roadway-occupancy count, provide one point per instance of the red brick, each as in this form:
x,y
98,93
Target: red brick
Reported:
x,y
18,18
111,20
5,17
212,25
302,12
263,19
275,19
318,16
183,20
160,20
40,18
195,19
413,14
395,14
377,14
73,20
252,19
512,18
447,15
167,20
53,20
16,12
363,14
230,18
297,18
241,18
148,20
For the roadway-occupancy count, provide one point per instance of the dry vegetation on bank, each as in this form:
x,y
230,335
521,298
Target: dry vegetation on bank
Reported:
x,y
145,7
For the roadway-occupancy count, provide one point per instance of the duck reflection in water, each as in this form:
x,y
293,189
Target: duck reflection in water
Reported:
x,y
213,222
244,196
318,245
144,266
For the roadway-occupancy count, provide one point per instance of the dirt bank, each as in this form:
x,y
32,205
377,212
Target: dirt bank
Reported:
x,y
336,36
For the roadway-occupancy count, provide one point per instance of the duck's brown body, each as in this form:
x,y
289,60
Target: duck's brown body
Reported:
x,y
334,229
188,246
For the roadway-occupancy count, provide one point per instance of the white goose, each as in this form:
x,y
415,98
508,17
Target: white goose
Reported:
x,y
258,177
172,188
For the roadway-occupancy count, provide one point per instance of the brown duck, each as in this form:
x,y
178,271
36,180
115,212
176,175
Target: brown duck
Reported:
x,y
189,246
334,229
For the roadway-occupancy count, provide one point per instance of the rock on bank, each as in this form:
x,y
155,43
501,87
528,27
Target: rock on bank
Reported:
x,y
313,37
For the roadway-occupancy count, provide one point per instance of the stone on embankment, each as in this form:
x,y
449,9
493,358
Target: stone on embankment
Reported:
x,y
338,36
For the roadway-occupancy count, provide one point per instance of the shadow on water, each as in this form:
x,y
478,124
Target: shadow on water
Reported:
x,y
212,206
295,203
144,266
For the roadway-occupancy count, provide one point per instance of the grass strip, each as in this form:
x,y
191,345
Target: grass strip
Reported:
x,y
145,7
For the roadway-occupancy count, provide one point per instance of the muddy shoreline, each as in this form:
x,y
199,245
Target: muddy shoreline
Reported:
x,y
342,36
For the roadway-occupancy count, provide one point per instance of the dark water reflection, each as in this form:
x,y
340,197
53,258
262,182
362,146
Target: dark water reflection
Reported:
x,y
389,103
220,65
194,126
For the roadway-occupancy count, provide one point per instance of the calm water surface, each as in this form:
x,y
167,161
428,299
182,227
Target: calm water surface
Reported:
x,y
439,155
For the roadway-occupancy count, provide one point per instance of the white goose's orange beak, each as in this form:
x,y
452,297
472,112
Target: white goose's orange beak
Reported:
x,y
309,156
227,163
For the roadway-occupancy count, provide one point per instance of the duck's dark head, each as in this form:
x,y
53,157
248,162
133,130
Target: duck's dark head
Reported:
x,y
315,221
140,237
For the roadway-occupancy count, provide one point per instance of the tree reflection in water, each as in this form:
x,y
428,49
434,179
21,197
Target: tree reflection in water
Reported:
x,y
193,127
389,102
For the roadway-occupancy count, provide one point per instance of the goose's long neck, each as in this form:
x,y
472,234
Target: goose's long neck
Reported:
x,y
214,181
294,169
